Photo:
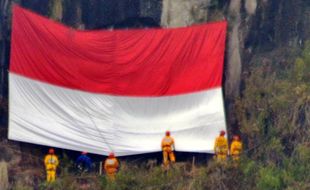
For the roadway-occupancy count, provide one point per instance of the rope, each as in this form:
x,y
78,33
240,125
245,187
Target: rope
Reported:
x,y
90,118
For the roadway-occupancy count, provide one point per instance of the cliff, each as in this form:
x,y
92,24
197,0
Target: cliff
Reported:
x,y
266,81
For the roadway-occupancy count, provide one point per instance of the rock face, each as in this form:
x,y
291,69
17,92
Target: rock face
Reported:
x,y
254,26
233,61
250,6
183,12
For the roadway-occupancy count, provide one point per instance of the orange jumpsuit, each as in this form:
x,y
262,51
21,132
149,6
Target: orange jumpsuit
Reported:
x,y
235,150
221,148
167,145
110,167
51,162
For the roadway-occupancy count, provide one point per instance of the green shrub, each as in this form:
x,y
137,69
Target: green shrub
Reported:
x,y
269,178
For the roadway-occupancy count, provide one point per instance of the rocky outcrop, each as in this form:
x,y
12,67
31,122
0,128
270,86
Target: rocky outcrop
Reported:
x,y
56,10
250,6
233,61
184,13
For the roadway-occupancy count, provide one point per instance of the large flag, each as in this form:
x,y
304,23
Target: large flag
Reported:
x,y
120,90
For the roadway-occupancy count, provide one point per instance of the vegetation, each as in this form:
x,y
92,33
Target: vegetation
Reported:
x,y
272,113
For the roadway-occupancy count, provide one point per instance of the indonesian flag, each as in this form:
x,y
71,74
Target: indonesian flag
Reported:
x,y
103,91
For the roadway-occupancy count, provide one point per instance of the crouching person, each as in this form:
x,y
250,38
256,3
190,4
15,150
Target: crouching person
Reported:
x,y
83,163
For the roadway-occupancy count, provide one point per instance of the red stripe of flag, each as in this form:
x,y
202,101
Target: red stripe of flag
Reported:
x,y
148,62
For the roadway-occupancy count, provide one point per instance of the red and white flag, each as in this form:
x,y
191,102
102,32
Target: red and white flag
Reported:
x,y
103,91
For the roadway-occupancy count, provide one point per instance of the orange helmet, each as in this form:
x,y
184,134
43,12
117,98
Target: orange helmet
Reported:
x,y
84,153
222,133
236,137
111,155
167,133
51,151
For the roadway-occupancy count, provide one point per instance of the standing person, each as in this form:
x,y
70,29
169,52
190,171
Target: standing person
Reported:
x,y
236,148
51,162
221,147
83,163
111,166
167,145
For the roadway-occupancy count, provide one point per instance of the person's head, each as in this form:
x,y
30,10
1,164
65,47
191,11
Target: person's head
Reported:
x,y
236,137
51,151
222,133
111,155
84,153
167,133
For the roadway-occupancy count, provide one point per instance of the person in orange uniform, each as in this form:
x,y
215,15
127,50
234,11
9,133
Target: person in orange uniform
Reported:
x,y
111,165
51,162
167,145
236,148
221,147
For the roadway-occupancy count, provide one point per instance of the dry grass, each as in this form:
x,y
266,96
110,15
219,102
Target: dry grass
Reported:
x,y
4,180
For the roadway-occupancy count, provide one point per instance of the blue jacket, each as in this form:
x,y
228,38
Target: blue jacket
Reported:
x,y
84,161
